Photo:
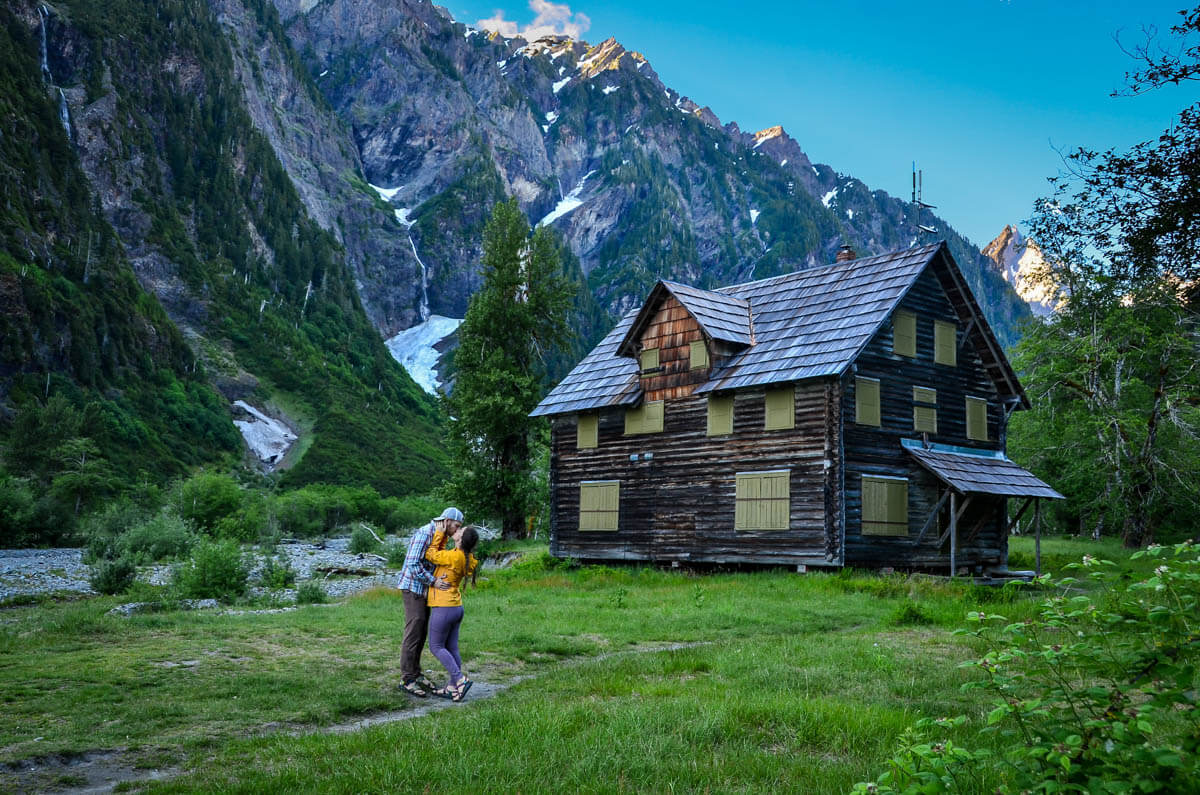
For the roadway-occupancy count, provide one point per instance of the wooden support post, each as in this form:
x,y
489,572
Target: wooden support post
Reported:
x,y
1037,536
953,533
1017,518
929,522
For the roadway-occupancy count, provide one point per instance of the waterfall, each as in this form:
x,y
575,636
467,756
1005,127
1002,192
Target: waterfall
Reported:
x,y
424,308
46,76
64,113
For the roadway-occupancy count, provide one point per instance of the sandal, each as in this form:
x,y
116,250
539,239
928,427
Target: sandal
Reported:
x,y
427,683
459,691
442,692
414,688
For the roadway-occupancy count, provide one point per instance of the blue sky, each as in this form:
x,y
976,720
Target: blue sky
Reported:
x,y
982,94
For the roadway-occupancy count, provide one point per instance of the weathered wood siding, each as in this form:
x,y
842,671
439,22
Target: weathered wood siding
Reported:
x,y
672,330
877,451
679,506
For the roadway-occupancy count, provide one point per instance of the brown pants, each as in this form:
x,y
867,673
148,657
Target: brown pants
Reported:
x,y
416,624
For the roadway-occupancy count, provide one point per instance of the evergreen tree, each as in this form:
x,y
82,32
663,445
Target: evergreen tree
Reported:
x,y
1114,374
515,320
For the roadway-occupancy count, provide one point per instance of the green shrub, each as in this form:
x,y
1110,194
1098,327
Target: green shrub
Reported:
x,y
401,516
1097,694
113,576
157,538
208,498
319,510
277,572
216,570
908,614
250,522
310,592
101,531
363,540
395,552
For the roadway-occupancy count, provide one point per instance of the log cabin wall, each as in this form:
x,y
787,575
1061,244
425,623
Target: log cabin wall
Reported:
x,y
877,451
672,331
679,506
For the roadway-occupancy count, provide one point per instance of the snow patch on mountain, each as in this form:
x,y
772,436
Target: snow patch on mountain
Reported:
x,y
610,89
268,438
754,216
559,84
828,197
415,349
568,203
402,217
1018,259
387,193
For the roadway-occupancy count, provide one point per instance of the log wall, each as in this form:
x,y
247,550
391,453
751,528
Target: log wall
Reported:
x,y
679,506
877,451
672,330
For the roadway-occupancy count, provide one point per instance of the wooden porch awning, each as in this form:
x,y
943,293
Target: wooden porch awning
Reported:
x,y
979,471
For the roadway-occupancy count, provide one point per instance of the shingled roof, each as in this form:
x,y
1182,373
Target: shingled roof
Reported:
x,y
979,472
807,324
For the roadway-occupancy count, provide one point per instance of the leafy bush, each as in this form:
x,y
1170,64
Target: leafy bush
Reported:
x,y
113,576
277,572
909,614
395,552
310,592
1097,694
157,538
363,540
250,522
403,515
103,529
208,498
216,570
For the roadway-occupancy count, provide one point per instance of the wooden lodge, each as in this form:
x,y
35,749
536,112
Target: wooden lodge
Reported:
x,y
847,415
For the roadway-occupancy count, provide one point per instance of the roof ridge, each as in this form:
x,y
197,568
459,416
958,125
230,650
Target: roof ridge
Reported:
x,y
820,268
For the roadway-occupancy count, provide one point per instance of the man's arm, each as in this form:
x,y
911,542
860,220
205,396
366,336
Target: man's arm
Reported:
x,y
415,552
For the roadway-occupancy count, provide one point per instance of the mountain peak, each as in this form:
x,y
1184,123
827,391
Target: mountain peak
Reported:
x,y
768,133
1018,259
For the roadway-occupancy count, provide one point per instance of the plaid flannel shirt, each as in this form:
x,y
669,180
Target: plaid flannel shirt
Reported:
x,y
414,576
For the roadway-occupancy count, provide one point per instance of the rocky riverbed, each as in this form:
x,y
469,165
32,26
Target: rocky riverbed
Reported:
x,y
34,572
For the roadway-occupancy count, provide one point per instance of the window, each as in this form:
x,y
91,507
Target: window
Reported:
x,y
904,334
720,415
977,419
781,409
649,360
866,401
646,418
884,506
925,417
599,504
945,343
761,501
698,355
587,431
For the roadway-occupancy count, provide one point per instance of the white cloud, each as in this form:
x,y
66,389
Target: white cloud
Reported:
x,y
552,19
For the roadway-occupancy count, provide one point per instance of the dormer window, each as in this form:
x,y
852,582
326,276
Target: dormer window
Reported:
x,y
649,361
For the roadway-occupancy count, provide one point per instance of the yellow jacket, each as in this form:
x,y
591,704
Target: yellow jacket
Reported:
x,y
454,565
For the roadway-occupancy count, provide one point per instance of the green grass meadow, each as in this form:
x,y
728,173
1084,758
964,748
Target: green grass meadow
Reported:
x,y
618,679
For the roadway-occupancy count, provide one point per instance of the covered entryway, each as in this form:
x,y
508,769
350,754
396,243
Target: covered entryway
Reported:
x,y
970,476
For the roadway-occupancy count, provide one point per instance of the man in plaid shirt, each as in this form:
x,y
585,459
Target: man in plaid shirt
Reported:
x,y
415,579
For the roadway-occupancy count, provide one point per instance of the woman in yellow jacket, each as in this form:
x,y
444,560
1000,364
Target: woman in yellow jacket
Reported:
x,y
446,612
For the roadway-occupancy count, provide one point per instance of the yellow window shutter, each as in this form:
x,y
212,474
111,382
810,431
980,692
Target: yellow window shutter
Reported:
x,y
649,359
599,505
904,334
587,431
698,355
781,408
923,394
884,506
866,401
762,501
633,420
945,342
720,415
977,419
653,417
745,499
925,419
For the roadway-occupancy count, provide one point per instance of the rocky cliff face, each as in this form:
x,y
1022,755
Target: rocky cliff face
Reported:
x,y
641,182
1018,259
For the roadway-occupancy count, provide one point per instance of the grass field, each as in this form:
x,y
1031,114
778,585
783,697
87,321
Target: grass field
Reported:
x,y
628,679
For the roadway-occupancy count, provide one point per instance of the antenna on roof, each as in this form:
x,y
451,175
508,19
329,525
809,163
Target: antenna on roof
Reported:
x,y
918,179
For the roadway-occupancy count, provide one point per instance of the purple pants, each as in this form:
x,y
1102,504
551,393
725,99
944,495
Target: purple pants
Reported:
x,y
443,638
